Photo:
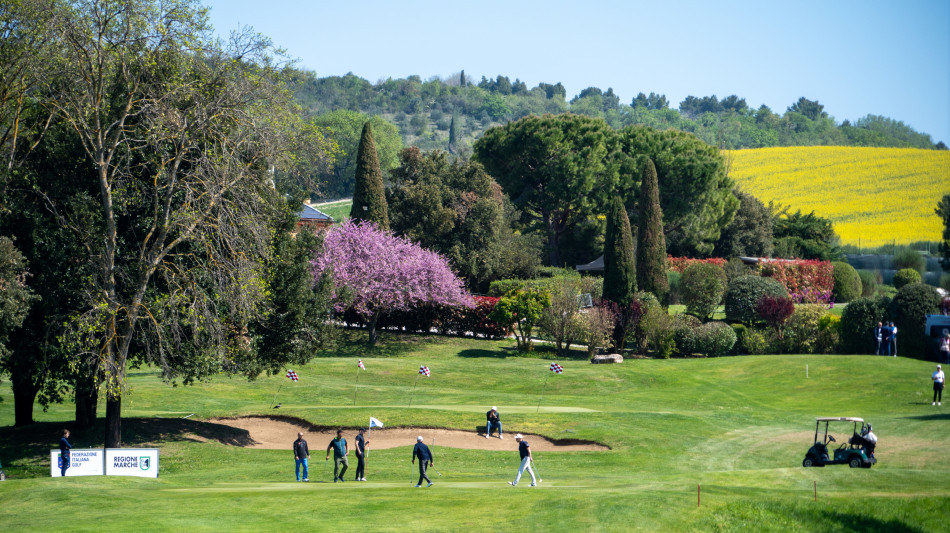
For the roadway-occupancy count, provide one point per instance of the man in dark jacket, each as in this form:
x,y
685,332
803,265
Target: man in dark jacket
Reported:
x,y
425,460
361,456
64,447
301,456
878,339
340,450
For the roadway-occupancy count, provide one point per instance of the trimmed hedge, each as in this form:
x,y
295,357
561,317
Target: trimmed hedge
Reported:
x,y
910,308
847,282
445,320
714,339
906,276
744,294
857,325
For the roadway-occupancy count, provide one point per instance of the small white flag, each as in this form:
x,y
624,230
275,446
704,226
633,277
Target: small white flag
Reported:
x,y
373,423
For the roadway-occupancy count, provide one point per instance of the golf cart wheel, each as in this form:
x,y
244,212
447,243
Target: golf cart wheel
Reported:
x,y
855,462
808,462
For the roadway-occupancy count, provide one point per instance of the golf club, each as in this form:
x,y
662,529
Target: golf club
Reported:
x,y
411,474
433,451
535,465
325,461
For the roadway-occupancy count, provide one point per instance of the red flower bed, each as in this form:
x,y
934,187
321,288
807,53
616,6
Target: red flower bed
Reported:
x,y
807,280
679,264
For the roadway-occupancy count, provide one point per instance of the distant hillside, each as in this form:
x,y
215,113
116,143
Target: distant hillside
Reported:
x,y
423,111
874,196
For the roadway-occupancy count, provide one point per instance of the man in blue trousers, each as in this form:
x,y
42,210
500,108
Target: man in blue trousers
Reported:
x,y
301,456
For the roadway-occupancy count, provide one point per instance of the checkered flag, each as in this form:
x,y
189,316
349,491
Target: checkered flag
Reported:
x,y
292,375
556,368
360,365
424,370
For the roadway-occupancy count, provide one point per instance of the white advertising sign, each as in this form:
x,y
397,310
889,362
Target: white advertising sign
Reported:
x,y
81,463
139,462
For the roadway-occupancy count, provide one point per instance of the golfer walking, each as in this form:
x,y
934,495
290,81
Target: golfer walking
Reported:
x,y
421,451
524,450
340,464
301,456
64,447
360,450
938,380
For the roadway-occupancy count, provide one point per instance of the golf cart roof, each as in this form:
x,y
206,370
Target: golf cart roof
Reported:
x,y
839,419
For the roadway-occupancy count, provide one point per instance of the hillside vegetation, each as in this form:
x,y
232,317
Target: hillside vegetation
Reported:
x,y
873,196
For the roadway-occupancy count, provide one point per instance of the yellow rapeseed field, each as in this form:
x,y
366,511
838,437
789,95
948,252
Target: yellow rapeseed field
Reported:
x,y
874,196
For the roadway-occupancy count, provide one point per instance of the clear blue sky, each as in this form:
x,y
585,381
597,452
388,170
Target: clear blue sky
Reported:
x,y
889,58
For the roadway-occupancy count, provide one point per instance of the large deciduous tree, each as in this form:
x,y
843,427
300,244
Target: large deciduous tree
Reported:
x,y
369,195
559,169
695,192
749,233
455,208
345,127
15,295
620,269
651,246
375,272
180,134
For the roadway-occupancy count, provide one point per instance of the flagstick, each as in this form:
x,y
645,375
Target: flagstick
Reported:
x,y
543,384
413,389
365,450
273,403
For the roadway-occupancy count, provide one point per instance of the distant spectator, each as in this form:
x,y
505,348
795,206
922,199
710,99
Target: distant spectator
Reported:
x,y
878,338
938,380
945,347
886,339
64,447
893,337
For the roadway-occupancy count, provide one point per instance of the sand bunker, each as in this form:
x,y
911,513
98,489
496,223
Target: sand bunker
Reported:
x,y
272,433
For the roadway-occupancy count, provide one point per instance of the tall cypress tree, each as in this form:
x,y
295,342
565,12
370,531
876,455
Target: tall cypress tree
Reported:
x,y
620,269
452,136
651,245
369,197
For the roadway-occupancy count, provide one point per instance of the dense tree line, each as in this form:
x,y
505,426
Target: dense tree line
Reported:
x,y
151,178
424,111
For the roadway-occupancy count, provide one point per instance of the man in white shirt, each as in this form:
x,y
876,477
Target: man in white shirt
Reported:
x,y
938,380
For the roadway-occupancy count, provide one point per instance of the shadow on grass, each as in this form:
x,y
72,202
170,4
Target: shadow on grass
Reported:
x,y
867,524
27,448
355,343
935,416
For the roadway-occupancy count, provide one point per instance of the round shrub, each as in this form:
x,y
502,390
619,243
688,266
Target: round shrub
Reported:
x,y
803,330
905,277
744,294
702,286
753,341
685,334
857,325
908,258
847,282
910,308
714,339
869,282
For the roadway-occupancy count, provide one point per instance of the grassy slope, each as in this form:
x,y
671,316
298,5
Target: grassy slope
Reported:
x,y
339,210
875,195
738,426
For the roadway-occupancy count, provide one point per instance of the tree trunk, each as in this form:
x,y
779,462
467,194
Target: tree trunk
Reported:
x,y
372,329
113,421
87,396
24,394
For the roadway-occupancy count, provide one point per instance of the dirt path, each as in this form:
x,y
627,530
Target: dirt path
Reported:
x,y
278,433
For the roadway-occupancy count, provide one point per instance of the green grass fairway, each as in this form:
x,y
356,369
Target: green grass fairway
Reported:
x,y
339,210
737,426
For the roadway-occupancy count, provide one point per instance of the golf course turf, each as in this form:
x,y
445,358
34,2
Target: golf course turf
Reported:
x,y
694,445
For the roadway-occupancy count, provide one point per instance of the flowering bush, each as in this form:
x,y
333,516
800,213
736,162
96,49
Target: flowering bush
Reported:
x,y
807,281
679,264
375,273
775,311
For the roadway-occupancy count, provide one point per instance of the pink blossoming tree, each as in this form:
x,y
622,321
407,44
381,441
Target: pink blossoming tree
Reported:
x,y
374,272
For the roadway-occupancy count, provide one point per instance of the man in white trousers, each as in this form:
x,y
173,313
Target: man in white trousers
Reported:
x,y
524,449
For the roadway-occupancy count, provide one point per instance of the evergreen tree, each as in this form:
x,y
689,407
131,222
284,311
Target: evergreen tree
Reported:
x,y
369,197
452,136
651,245
620,274
462,78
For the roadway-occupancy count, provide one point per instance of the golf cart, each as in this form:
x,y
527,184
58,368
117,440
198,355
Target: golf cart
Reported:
x,y
857,452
